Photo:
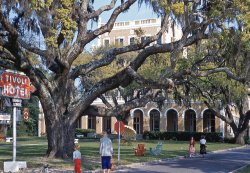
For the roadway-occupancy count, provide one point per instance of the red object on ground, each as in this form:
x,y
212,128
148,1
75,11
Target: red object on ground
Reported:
x,y
121,126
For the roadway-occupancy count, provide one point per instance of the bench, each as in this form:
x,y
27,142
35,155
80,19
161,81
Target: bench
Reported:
x,y
157,150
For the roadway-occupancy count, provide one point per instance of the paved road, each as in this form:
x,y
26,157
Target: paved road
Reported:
x,y
221,162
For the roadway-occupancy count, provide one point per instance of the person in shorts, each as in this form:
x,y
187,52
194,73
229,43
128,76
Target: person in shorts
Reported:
x,y
106,151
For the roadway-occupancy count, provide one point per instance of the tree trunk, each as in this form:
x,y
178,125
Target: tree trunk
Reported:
x,y
240,138
60,135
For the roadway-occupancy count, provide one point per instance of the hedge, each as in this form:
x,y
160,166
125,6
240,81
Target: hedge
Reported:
x,y
84,132
182,136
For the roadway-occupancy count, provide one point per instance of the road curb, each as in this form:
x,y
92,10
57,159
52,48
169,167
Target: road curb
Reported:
x,y
229,149
239,169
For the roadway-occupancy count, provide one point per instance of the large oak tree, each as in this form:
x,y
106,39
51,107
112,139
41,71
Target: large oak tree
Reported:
x,y
54,33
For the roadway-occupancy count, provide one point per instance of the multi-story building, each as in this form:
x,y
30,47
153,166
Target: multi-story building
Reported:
x,y
128,32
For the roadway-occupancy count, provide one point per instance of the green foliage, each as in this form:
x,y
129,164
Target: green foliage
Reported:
x,y
30,127
118,64
154,66
178,8
59,14
83,58
84,132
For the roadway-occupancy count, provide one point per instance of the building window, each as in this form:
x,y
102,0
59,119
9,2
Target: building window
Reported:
x,y
91,122
144,38
154,120
145,21
107,124
132,40
209,121
119,41
137,124
106,43
138,121
79,123
190,120
159,41
153,20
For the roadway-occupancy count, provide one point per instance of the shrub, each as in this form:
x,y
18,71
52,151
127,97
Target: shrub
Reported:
x,y
247,140
181,136
84,132
230,140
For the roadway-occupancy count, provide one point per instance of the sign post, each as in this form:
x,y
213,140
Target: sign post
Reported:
x,y
17,87
16,103
119,127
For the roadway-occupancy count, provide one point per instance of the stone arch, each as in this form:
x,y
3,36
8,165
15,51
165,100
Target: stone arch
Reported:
x,y
208,116
190,120
172,120
148,114
132,112
154,122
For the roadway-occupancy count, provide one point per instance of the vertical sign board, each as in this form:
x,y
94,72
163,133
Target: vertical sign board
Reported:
x,y
4,118
17,87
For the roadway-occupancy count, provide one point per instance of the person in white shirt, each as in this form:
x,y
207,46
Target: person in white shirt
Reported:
x,y
106,151
77,159
203,145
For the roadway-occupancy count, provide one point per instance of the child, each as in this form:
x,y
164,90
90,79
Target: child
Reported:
x,y
191,147
203,146
77,159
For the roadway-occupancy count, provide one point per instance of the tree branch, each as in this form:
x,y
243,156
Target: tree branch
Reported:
x,y
105,101
6,55
110,55
101,111
83,39
167,84
33,49
101,10
6,64
8,27
217,70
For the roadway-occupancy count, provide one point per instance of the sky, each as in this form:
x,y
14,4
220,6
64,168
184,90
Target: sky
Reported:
x,y
133,13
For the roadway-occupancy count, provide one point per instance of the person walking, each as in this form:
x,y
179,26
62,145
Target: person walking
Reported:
x,y
106,151
77,158
191,147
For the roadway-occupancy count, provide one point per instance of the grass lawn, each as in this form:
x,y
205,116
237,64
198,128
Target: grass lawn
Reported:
x,y
33,149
